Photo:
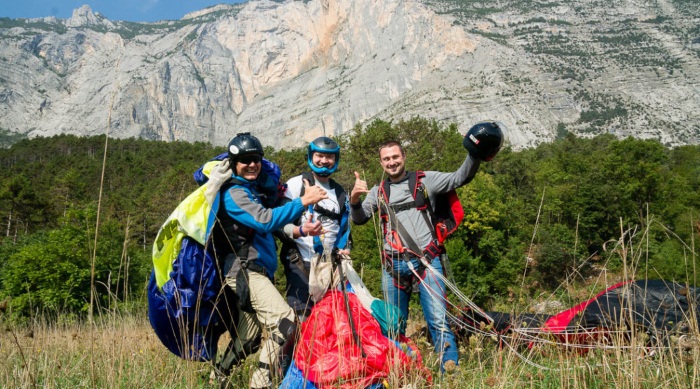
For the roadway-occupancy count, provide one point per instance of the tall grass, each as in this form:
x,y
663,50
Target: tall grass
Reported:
x,y
120,350
126,354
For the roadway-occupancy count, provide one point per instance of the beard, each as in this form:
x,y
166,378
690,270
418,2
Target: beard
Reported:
x,y
398,175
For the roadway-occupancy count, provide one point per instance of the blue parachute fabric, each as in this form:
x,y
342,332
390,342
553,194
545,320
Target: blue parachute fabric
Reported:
x,y
198,284
294,379
183,314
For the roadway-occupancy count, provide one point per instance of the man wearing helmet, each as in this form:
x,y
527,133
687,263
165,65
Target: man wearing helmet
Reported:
x,y
324,228
245,245
409,236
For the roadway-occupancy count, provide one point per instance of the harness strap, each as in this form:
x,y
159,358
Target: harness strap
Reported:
x,y
401,234
328,213
294,257
339,193
402,282
254,267
404,206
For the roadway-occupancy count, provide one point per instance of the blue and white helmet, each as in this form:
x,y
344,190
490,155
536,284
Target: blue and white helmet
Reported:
x,y
323,144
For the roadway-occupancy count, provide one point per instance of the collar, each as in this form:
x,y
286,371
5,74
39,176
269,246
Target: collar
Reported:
x,y
404,178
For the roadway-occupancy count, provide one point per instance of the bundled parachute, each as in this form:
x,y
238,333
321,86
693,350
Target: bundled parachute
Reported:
x,y
329,355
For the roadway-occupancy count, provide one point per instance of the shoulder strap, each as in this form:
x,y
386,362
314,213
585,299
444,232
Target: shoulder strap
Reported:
x,y
385,190
308,176
340,195
422,200
420,195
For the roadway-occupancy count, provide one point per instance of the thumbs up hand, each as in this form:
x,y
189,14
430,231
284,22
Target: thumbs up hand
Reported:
x,y
358,189
312,194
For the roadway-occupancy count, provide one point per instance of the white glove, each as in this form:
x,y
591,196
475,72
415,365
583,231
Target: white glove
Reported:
x,y
218,176
220,173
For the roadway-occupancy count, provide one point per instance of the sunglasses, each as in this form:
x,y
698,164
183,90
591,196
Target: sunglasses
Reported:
x,y
250,158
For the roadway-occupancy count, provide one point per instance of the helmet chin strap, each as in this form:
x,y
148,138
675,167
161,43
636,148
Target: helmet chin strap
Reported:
x,y
322,171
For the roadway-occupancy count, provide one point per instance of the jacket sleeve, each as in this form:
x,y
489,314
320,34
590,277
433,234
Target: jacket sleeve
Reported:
x,y
362,212
439,182
240,205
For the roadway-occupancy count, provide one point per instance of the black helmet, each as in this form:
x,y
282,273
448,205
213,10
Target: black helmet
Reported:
x,y
483,140
244,144
323,144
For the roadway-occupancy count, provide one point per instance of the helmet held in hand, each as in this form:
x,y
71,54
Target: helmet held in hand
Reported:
x,y
483,140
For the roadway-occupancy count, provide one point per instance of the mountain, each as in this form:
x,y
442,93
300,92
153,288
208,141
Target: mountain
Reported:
x,y
289,71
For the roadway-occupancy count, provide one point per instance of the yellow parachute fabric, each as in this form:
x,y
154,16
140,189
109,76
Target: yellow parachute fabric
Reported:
x,y
193,217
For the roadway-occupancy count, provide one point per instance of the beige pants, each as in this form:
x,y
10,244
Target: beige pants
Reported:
x,y
270,308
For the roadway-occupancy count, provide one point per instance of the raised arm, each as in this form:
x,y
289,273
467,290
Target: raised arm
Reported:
x,y
241,207
441,182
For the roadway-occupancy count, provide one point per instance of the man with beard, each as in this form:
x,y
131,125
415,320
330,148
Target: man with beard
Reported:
x,y
409,235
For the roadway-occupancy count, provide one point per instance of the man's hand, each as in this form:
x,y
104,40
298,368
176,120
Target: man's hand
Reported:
x,y
358,190
312,194
312,228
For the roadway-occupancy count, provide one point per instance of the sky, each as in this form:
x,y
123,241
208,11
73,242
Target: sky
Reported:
x,y
129,10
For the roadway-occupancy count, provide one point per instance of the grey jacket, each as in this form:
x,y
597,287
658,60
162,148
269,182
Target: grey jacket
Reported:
x,y
411,219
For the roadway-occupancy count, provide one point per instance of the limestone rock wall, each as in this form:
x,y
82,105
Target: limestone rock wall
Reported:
x,y
290,71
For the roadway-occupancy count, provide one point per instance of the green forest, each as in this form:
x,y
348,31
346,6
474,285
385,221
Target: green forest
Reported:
x,y
81,213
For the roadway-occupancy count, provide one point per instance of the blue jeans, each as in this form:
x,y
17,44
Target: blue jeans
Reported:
x,y
431,291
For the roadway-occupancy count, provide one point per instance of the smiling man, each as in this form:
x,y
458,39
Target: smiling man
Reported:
x,y
326,227
245,245
410,242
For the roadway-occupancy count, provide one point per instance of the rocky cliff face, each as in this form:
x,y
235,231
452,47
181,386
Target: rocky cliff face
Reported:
x,y
290,71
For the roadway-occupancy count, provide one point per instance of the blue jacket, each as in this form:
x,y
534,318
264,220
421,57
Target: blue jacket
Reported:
x,y
243,203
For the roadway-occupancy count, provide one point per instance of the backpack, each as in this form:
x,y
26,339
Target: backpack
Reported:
x,y
444,215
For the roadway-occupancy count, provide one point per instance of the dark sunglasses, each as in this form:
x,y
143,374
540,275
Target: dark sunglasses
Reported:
x,y
250,158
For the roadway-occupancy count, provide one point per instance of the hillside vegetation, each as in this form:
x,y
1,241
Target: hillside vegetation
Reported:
x,y
534,219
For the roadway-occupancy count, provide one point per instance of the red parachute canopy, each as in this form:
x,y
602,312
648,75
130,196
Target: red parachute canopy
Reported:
x,y
328,355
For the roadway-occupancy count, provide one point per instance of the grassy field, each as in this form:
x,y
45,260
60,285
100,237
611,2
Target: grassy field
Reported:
x,y
123,352
120,350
